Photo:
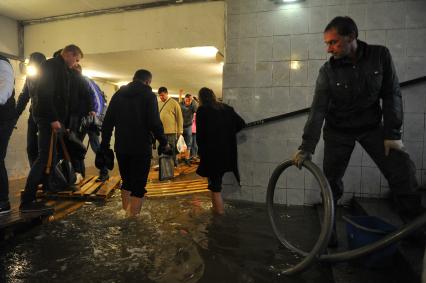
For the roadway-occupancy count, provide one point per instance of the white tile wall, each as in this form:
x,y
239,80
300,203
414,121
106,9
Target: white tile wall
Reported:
x,y
273,35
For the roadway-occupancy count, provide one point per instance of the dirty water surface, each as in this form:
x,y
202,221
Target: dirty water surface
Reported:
x,y
175,239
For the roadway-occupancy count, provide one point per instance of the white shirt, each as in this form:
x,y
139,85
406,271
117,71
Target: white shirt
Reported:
x,y
7,81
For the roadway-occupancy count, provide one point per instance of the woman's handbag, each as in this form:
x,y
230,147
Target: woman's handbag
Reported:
x,y
60,174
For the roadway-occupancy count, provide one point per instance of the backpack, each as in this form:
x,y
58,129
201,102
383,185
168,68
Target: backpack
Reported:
x,y
99,100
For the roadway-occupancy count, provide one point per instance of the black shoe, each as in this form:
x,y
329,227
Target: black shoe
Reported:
x,y
4,207
35,206
102,178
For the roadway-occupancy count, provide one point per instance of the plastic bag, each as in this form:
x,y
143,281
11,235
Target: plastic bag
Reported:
x,y
181,145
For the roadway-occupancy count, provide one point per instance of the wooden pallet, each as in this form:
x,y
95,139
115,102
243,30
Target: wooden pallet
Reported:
x,y
175,188
88,189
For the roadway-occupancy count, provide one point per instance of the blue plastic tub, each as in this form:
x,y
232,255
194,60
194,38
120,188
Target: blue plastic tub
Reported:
x,y
360,236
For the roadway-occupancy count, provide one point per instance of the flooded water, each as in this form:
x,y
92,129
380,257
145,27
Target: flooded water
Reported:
x,y
175,239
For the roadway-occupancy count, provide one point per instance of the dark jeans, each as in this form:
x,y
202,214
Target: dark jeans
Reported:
x,y
134,169
94,144
215,183
187,136
172,140
6,128
338,148
194,147
32,147
36,175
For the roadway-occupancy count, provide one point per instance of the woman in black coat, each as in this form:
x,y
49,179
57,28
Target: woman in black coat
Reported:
x,y
217,126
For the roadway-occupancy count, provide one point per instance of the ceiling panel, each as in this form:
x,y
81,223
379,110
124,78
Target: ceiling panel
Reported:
x,y
185,68
36,9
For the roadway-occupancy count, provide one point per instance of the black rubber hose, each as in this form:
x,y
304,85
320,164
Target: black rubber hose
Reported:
x,y
326,228
317,252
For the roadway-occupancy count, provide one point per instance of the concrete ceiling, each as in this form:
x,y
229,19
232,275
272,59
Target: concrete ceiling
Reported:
x,y
186,68
37,9
174,68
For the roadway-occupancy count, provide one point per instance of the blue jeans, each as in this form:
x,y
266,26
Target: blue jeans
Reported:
x,y
187,135
6,128
194,146
95,144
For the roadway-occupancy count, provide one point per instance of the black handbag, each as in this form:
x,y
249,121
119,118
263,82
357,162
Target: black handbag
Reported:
x,y
167,167
61,176
75,146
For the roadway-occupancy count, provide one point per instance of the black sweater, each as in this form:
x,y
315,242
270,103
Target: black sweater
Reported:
x,y
133,112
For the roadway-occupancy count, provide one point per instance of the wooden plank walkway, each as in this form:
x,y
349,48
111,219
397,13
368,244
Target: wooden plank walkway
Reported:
x,y
175,188
88,189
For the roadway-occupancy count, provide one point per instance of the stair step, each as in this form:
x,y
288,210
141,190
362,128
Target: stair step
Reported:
x,y
410,254
352,272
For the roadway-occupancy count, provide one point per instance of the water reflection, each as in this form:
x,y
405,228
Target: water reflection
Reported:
x,y
173,240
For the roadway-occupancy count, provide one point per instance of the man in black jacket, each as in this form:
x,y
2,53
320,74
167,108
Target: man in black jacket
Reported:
x,y
347,96
28,92
50,111
133,112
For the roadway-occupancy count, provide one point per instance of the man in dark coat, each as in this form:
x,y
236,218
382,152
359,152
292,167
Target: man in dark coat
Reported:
x,y
347,96
217,126
28,92
50,109
133,112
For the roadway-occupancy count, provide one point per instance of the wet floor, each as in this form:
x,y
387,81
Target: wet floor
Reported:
x,y
175,239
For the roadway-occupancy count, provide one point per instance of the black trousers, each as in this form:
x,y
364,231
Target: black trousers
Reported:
x,y
397,167
134,169
6,128
215,183
36,174
32,143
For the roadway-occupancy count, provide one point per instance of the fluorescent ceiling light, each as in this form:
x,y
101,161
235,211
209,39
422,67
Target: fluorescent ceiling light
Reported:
x,y
205,51
95,74
290,1
122,83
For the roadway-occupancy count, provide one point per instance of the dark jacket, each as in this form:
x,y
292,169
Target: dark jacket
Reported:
x,y
133,112
80,100
51,100
347,96
7,111
26,94
216,140
188,112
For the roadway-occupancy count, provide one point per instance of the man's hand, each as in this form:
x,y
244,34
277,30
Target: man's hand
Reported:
x,y
300,156
393,144
92,113
56,126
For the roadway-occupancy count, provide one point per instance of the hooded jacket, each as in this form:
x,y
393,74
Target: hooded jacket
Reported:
x,y
133,112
